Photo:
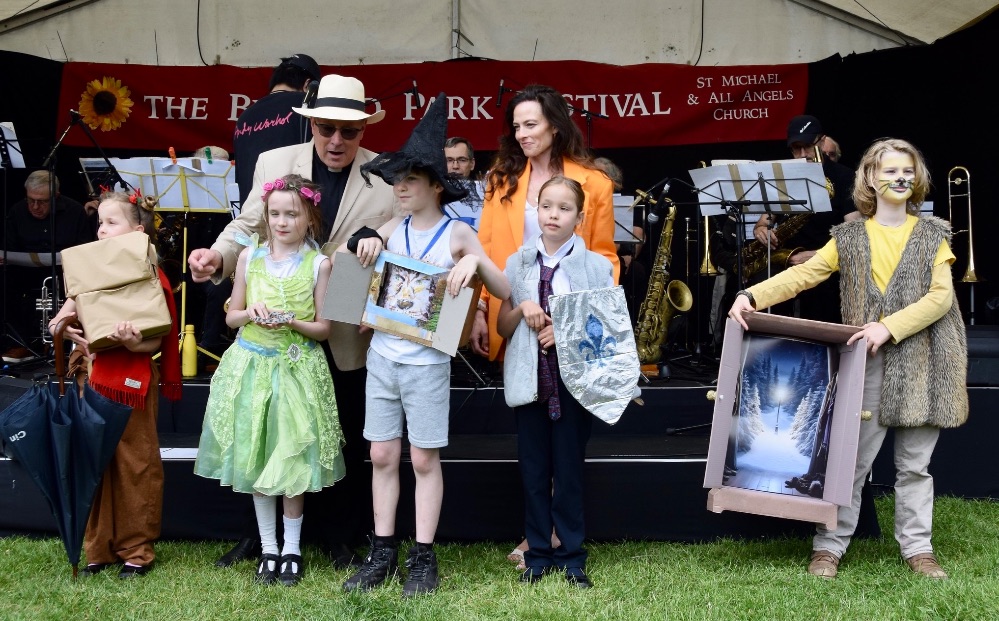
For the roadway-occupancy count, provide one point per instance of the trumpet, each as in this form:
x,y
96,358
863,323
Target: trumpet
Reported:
x,y
45,305
956,178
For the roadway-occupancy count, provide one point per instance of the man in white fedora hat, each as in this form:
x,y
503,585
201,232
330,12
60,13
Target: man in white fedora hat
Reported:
x,y
332,159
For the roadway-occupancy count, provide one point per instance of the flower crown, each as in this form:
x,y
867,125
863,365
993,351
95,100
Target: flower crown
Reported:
x,y
281,184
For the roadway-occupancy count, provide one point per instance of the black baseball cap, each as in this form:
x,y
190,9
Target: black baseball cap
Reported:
x,y
304,62
804,129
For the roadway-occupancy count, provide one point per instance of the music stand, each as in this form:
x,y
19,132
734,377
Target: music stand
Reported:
x,y
744,188
182,185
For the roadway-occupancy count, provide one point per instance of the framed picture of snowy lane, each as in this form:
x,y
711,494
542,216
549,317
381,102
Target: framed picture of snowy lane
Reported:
x,y
786,419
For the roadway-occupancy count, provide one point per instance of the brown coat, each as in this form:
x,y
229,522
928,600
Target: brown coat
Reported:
x,y
925,379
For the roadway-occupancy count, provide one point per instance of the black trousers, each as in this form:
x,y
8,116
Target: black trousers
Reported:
x,y
552,455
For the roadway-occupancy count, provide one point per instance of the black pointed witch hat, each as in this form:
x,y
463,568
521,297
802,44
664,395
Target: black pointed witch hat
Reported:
x,y
424,150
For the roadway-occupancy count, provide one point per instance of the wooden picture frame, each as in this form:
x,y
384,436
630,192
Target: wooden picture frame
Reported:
x,y
823,419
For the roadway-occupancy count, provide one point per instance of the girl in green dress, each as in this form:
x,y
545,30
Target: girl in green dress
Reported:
x,y
271,425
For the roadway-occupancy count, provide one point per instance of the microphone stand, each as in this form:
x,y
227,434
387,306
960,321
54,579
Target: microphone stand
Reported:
x,y
589,120
49,165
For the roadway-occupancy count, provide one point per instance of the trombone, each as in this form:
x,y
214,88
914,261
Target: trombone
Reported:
x,y
956,178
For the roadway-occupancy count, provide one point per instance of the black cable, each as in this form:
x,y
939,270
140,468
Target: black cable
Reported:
x,y
197,33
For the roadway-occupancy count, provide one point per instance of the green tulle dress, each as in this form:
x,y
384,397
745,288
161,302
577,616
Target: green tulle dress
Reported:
x,y
271,424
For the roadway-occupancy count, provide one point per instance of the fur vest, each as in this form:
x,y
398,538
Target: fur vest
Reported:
x,y
925,380
586,270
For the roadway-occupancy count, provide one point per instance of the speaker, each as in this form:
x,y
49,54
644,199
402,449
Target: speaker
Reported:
x,y
983,355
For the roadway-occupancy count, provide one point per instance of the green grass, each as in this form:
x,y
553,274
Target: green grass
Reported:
x,y
755,579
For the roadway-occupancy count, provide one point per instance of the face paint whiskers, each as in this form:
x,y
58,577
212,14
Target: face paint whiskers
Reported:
x,y
897,184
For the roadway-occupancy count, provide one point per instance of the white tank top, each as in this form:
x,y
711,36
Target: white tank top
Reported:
x,y
395,348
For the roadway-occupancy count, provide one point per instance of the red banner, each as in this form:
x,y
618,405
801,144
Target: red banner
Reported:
x,y
639,105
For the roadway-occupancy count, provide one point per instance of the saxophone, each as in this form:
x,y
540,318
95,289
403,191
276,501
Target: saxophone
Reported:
x,y
754,254
664,299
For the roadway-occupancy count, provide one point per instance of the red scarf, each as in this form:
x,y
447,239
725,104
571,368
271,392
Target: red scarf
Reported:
x,y
124,375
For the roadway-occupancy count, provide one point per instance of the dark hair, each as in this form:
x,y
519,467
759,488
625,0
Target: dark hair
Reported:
x,y
572,184
141,210
567,143
457,140
289,74
295,184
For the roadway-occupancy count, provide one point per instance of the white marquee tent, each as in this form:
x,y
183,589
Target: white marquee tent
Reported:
x,y
346,32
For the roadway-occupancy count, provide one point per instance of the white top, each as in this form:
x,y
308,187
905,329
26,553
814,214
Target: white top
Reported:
x,y
398,349
531,228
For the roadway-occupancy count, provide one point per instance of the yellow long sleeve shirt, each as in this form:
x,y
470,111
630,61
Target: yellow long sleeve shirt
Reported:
x,y
887,244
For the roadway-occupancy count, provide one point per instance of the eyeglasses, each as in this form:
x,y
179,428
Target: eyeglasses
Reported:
x,y
458,160
37,201
347,133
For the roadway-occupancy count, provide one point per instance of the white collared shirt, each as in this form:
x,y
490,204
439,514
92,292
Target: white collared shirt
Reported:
x,y
560,281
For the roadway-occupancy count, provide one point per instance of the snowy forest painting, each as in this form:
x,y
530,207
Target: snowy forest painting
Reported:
x,y
779,439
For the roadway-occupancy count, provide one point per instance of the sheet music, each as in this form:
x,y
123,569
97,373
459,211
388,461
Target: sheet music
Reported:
x,y
783,180
624,219
31,259
190,184
12,148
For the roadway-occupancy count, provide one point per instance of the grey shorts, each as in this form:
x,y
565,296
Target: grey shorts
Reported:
x,y
420,392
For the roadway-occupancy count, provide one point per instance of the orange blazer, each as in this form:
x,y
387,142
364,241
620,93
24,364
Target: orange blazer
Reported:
x,y
501,229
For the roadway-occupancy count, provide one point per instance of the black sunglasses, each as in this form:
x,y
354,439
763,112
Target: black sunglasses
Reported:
x,y
347,133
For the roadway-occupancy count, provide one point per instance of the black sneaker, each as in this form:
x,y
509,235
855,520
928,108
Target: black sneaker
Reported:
x,y
422,566
382,563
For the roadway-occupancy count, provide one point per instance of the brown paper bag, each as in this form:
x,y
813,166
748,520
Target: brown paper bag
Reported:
x,y
108,264
143,303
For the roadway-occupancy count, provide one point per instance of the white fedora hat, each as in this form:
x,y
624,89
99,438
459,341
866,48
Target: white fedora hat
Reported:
x,y
340,99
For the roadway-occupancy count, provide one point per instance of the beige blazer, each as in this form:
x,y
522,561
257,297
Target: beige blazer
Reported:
x,y
360,206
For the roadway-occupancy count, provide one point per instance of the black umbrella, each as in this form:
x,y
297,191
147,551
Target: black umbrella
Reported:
x,y
65,441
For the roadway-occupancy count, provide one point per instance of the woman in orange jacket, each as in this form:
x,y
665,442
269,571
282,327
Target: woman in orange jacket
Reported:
x,y
540,141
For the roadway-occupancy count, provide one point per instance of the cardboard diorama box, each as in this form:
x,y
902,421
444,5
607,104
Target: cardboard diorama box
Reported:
x,y
402,296
786,418
108,263
114,280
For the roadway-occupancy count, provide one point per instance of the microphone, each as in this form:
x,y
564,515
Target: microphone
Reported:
x,y
499,94
74,116
654,213
416,93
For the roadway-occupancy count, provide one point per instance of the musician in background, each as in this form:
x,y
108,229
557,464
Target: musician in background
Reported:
x,y
28,228
460,157
830,149
269,122
804,135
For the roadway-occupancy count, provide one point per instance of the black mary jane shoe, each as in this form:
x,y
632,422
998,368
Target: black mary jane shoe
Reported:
x,y
134,571
266,574
93,569
292,569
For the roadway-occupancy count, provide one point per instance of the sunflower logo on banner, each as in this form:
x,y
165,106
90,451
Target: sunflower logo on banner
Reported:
x,y
105,104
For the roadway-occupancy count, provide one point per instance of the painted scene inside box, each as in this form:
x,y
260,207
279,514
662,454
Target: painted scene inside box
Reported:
x,y
779,440
406,297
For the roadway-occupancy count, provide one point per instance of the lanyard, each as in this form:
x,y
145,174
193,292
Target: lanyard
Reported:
x,y
437,235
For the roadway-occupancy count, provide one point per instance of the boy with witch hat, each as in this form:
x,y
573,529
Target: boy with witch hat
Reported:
x,y
407,379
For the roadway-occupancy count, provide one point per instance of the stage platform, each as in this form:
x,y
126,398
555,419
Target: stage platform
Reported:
x,y
644,475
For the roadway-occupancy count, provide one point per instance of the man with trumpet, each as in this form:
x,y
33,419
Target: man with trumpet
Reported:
x,y
803,234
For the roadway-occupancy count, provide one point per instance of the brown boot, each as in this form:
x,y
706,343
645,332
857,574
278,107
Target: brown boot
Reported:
x,y
824,564
926,564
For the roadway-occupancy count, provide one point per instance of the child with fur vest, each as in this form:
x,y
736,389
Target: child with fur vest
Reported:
x,y
895,282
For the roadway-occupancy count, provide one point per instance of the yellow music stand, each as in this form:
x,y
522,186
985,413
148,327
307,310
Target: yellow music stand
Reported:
x,y
185,186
